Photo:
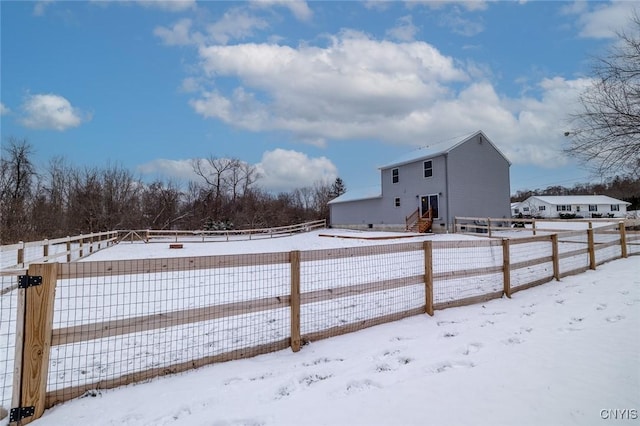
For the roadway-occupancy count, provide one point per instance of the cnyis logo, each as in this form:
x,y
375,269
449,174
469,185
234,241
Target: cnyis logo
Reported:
x,y
619,414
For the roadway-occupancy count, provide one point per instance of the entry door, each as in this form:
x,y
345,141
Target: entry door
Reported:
x,y
429,201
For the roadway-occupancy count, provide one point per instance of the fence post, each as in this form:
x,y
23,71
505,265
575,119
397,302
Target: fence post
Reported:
x,y
556,256
68,249
489,226
33,339
623,240
81,242
21,254
592,250
45,250
428,276
294,258
506,267
533,225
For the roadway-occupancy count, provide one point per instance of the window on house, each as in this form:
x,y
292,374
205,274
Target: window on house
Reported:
x,y
525,209
615,207
563,208
397,201
428,168
516,211
593,208
395,176
541,208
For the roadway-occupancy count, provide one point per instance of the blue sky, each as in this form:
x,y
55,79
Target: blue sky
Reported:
x,y
305,91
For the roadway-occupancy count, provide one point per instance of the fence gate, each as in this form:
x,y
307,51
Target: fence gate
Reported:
x,y
33,342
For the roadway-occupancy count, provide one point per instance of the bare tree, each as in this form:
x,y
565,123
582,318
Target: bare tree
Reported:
x,y
606,132
216,173
17,174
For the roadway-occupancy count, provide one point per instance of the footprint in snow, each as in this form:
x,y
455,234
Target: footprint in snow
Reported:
x,y
450,334
615,319
472,348
601,307
360,385
321,361
513,341
240,422
450,365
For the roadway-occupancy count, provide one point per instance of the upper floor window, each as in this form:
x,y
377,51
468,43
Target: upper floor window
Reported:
x,y
593,208
395,176
428,168
615,207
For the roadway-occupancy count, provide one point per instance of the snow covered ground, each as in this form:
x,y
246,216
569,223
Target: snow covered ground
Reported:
x,y
562,353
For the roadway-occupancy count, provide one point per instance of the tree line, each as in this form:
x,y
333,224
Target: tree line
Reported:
x,y
62,199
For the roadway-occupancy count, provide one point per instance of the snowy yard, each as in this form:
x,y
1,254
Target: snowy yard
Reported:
x,y
562,353
507,361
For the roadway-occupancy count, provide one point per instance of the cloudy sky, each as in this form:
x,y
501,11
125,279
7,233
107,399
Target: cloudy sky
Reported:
x,y
305,91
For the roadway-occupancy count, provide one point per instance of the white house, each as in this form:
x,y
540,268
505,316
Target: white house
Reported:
x,y
585,206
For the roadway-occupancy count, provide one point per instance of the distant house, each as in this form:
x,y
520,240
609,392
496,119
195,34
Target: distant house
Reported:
x,y
585,206
467,178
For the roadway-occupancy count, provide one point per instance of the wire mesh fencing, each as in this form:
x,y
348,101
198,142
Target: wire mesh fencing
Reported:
x,y
120,322
347,289
124,321
8,317
466,270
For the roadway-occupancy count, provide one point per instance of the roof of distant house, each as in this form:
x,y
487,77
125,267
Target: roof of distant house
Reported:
x,y
361,193
578,199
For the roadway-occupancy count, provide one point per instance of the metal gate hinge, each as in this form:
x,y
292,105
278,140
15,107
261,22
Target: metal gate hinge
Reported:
x,y
20,413
26,281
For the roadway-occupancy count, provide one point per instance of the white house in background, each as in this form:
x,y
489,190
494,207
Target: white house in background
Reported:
x,y
585,206
515,209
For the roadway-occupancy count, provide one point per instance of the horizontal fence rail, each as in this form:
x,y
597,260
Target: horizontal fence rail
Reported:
x,y
98,325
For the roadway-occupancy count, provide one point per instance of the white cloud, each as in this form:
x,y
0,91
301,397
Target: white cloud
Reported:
x,y
40,7
284,170
49,111
279,170
3,109
169,5
235,24
604,19
299,8
178,35
404,30
470,5
460,25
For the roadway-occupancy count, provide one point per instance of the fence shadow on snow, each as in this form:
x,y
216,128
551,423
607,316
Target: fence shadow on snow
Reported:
x,y
82,326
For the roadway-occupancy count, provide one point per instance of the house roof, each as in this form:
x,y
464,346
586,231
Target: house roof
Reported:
x,y
577,199
362,193
437,149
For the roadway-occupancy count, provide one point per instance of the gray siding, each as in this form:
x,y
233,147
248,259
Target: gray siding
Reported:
x,y
470,179
478,181
411,186
357,212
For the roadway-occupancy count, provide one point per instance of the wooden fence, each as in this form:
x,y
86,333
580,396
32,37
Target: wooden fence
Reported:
x,y
16,256
312,296
150,235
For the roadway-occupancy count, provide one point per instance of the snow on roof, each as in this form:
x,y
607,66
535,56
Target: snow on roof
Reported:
x,y
578,199
436,149
361,193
